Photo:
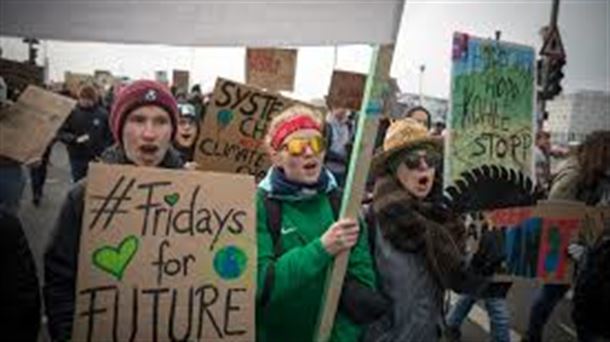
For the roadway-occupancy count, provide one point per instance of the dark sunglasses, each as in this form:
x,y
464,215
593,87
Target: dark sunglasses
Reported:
x,y
413,159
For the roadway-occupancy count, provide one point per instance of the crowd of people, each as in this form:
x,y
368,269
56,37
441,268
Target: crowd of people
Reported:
x,y
407,249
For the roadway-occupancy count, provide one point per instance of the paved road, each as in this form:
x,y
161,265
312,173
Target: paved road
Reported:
x,y
38,222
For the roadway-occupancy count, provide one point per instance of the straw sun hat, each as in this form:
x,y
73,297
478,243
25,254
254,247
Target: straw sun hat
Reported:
x,y
403,134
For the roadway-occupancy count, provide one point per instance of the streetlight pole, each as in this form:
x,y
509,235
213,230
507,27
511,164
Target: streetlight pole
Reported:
x,y
422,68
554,13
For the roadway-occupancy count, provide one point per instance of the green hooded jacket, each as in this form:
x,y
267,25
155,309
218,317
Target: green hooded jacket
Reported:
x,y
294,304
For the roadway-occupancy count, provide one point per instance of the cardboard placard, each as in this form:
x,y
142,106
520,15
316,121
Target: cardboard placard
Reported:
x,y
346,90
19,75
491,121
180,79
166,255
271,69
27,127
161,77
104,79
235,124
75,81
390,97
534,240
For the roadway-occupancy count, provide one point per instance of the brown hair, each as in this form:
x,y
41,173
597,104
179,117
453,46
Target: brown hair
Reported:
x,y
593,157
89,92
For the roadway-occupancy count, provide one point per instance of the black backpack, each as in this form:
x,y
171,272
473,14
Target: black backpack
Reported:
x,y
360,303
591,301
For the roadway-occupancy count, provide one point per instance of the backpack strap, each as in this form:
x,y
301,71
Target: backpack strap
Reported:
x,y
274,221
274,225
335,197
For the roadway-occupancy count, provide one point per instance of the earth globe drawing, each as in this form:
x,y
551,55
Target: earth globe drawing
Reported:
x,y
230,262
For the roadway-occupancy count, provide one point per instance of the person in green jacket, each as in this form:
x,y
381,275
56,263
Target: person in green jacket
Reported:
x,y
292,267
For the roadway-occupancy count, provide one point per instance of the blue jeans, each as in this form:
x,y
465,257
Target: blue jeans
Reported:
x,y
497,310
544,303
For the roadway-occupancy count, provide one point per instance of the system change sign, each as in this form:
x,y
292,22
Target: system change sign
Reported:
x,y
234,128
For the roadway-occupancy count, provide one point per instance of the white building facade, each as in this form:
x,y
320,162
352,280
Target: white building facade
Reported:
x,y
572,117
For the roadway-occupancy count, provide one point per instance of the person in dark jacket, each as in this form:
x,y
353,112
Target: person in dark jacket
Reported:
x,y
419,247
85,132
188,131
12,183
143,121
583,177
38,174
19,291
339,134
486,261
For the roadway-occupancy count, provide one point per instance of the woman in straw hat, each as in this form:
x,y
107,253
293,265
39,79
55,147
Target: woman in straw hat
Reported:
x,y
298,234
418,246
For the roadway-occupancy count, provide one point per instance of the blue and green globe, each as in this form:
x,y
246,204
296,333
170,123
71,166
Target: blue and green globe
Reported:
x,y
230,262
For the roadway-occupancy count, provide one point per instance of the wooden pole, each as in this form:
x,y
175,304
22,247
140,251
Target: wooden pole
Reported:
x,y
360,161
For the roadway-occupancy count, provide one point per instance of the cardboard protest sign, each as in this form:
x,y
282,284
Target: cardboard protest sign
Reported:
x,y
533,240
27,127
104,79
491,120
391,98
166,255
346,90
180,79
272,69
161,77
235,124
75,81
19,75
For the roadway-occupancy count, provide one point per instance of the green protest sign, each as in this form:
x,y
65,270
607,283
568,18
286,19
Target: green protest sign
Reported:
x,y
491,121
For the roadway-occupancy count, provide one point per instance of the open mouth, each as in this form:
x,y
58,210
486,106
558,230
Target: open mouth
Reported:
x,y
423,181
310,165
149,149
186,136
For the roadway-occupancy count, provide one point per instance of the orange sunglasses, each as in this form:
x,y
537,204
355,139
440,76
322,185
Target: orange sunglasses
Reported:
x,y
296,146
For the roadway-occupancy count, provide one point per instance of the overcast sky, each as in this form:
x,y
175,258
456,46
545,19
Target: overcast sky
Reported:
x,y
427,28
424,38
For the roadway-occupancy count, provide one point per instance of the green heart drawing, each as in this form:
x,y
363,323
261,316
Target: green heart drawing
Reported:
x,y
172,199
114,260
224,117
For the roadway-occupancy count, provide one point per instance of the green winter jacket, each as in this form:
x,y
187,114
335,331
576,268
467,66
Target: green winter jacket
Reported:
x,y
294,304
